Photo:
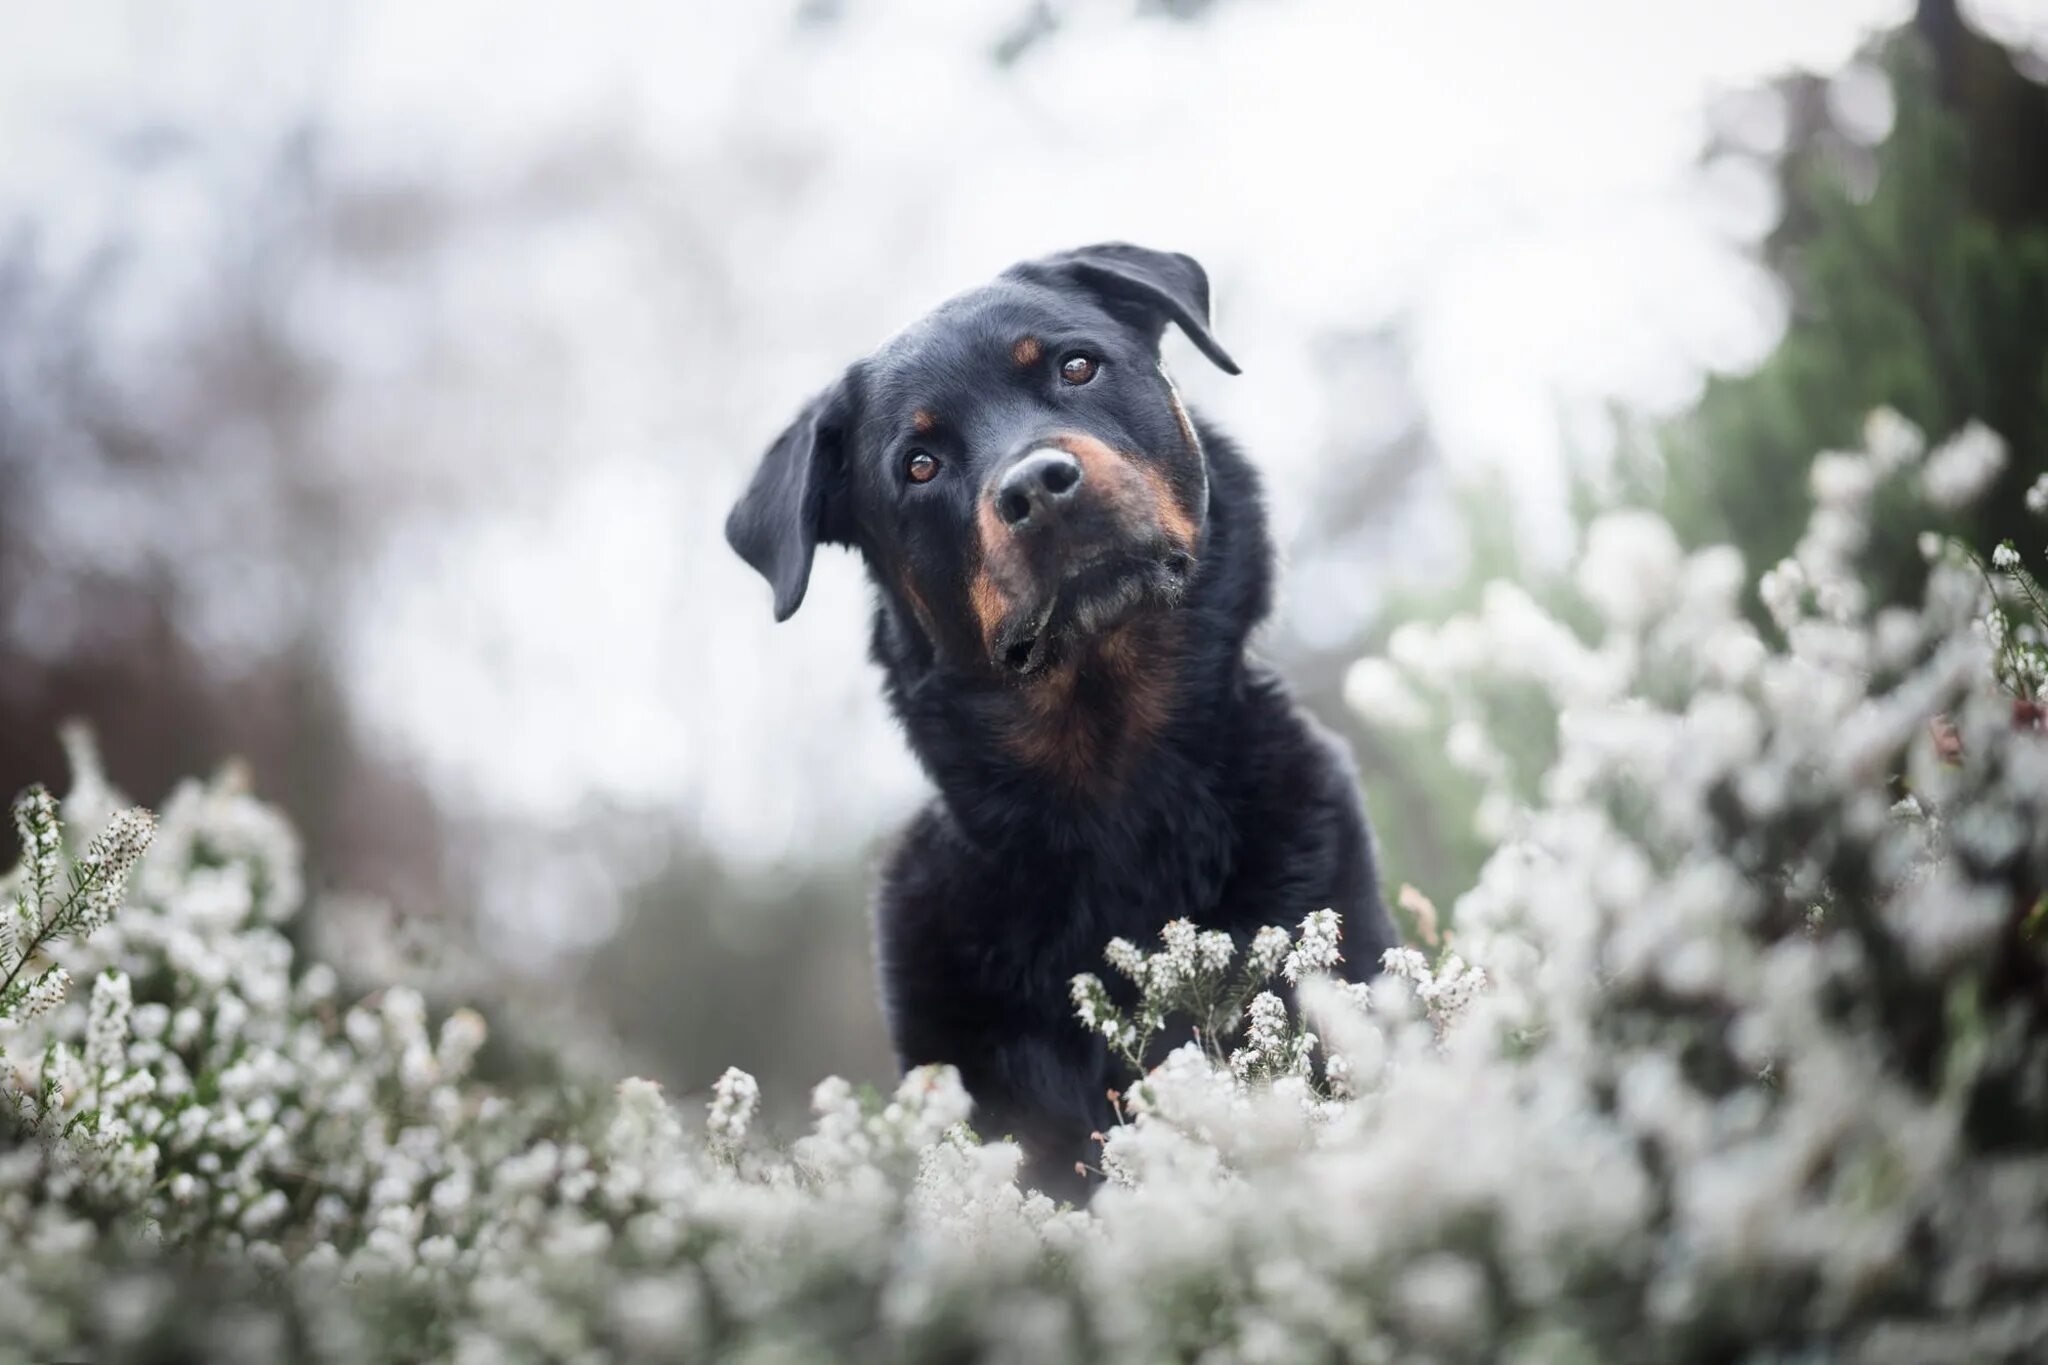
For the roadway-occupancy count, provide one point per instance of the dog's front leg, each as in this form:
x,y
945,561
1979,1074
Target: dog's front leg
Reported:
x,y
1047,1091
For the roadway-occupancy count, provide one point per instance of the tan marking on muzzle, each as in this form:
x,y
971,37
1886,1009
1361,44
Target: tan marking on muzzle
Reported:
x,y
989,604
1138,496
1173,519
1138,493
998,574
1027,352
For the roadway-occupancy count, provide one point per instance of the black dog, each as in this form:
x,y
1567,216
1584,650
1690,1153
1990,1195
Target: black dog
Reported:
x,y
1067,567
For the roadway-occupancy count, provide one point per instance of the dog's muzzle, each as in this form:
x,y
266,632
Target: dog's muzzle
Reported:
x,y
1075,538
1035,493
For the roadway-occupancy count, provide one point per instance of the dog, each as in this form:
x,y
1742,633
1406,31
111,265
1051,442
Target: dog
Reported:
x,y
1067,565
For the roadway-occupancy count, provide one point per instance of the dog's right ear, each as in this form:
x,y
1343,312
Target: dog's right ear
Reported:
x,y
787,508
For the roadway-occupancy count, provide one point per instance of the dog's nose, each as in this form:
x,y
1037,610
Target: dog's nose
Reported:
x,y
1033,490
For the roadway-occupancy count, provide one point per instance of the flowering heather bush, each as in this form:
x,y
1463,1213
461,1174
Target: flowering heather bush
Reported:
x,y
1737,1050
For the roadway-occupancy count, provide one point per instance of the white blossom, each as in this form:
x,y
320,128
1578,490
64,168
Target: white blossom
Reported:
x,y
42,995
1265,1032
733,1102
1316,949
1892,442
1965,465
1723,1052
1375,689
1632,566
1270,947
106,1030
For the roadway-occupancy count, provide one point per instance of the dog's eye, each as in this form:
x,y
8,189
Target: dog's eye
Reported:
x,y
921,467
1078,368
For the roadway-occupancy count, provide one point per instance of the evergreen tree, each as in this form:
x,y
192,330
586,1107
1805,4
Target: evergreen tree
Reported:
x,y
1918,277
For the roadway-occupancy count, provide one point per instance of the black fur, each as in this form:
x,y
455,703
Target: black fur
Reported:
x,y
1107,756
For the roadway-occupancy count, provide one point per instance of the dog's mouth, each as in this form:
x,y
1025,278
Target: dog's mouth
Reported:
x,y
1093,596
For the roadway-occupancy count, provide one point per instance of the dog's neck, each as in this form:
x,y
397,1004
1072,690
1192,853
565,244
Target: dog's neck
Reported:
x,y
1120,740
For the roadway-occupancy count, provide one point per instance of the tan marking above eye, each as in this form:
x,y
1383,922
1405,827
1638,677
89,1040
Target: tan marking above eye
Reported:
x,y
1027,351
922,422
1078,368
921,467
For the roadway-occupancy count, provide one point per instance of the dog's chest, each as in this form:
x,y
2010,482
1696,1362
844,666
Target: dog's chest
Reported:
x,y
1042,918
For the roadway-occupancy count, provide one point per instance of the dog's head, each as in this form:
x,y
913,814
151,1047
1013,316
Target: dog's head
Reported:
x,y
1016,467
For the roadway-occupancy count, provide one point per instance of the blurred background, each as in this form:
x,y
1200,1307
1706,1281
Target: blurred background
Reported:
x,y
374,379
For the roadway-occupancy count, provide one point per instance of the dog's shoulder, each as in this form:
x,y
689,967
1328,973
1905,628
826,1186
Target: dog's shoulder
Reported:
x,y
1302,836
930,876
920,865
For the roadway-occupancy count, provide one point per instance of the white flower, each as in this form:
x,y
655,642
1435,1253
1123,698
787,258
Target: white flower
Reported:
x,y
1892,441
1270,947
1123,955
1442,1296
1265,1045
733,1101
106,1030
1960,471
1631,566
1842,481
1445,989
106,863
643,1126
43,994
1093,1007
266,1212
1213,952
462,1035
1316,947
1375,689
35,828
1176,963
1783,591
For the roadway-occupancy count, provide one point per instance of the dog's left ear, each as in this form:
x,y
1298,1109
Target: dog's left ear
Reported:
x,y
788,506
1149,288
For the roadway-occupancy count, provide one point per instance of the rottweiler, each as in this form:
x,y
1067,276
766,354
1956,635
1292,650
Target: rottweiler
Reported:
x,y
1067,564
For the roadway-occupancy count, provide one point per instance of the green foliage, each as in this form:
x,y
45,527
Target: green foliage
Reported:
x,y
1913,286
1916,273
